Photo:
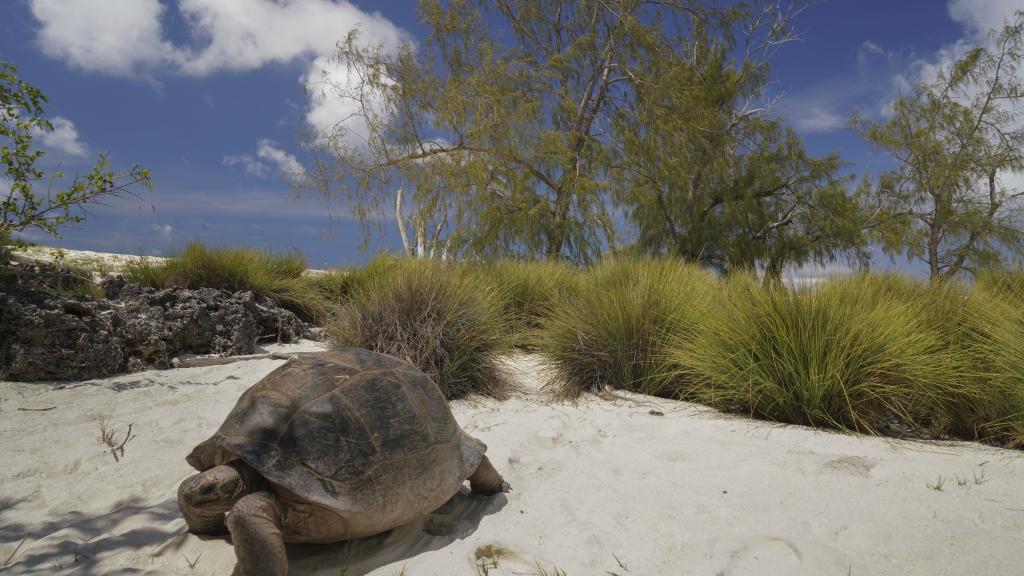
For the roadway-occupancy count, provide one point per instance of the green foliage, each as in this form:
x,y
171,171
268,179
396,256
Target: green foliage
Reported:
x,y
613,330
24,206
847,355
707,177
444,321
493,139
274,276
946,203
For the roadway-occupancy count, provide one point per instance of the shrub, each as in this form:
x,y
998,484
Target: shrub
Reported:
x,y
447,323
613,329
852,354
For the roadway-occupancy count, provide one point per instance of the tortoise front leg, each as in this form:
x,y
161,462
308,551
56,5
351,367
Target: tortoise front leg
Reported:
x,y
486,480
255,526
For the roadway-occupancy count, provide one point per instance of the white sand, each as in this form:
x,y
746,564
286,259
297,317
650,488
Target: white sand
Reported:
x,y
691,492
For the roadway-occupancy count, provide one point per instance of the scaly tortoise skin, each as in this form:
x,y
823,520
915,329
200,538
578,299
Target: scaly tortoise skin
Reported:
x,y
330,446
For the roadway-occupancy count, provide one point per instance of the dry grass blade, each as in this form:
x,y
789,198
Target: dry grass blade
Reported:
x,y
15,552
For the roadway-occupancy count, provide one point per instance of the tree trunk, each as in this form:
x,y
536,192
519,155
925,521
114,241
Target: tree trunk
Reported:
x,y
400,218
934,228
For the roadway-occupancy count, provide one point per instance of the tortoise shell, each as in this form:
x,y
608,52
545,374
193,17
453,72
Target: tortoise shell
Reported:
x,y
351,430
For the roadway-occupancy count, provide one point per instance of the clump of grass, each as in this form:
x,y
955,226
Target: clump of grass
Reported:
x,y
853,354
200,266
1006,283
531,290
446,322
990,406
612,331
277,277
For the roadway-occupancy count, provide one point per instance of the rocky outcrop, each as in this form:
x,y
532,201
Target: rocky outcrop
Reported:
x,y
46,336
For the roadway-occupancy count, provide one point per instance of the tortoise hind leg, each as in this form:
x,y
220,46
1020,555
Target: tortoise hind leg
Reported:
x,y
255,526
486,480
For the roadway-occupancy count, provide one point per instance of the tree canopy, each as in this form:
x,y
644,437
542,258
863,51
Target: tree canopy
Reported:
x,y
957,141
501,130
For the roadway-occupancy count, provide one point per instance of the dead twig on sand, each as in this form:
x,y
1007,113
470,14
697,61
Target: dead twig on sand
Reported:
x,y
219,361
107,436
15,553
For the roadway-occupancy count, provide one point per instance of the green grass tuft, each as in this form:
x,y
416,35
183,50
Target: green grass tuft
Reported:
x,y
530,291
446,322
278,277
848,354
613,329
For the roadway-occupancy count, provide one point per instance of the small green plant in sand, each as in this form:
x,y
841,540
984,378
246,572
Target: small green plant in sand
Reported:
x,y
939,484
193,562
488,557
445,322
614,329
554,571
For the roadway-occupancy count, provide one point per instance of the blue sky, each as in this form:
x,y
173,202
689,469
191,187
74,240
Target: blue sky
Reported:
x,y
209,94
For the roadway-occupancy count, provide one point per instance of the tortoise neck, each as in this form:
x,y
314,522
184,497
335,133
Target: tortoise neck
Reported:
x,y
251,480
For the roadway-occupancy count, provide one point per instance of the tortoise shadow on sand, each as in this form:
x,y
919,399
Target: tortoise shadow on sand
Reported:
x,y
455,520
76,541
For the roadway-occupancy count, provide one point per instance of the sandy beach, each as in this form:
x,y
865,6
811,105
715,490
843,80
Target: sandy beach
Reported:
x,y
624,485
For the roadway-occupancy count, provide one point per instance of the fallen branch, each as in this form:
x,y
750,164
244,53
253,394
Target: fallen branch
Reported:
x,y
219,361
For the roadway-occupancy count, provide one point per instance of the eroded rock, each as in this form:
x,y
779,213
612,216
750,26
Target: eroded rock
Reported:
x,y
45,336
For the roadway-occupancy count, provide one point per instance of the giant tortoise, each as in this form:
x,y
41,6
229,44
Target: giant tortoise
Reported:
x,y
330,446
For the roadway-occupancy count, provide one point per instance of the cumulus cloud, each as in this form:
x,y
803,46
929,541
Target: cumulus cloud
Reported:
x,y
332,102
64,138
115,37
248,34
126,38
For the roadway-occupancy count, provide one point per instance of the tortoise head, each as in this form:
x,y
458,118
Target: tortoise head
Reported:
x,y
205,497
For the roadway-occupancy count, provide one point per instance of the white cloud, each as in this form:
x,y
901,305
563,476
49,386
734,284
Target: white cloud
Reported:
x,y
126,38
286,163
332,103
165,231
64,138
115,37
980,16
868,52
248,34
816,118
252,166
267,151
